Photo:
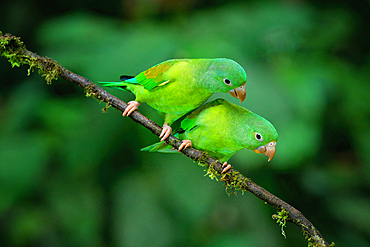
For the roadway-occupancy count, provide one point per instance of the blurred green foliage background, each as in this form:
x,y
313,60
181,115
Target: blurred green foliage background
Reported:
x,y
73,176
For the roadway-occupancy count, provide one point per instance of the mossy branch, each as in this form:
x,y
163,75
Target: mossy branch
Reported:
x,y
14,49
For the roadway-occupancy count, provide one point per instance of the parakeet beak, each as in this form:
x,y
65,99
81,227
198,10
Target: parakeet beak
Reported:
x,y
239,93
268,150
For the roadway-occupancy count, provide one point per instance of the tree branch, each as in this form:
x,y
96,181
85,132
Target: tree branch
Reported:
x,y
13,48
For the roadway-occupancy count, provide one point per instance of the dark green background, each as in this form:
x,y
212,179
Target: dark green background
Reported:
x,y
72,176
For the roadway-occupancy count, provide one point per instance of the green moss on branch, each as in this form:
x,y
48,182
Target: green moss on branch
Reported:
x,y
15,51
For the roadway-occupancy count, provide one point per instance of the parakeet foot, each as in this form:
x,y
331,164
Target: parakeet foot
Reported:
x,y
184,144
167,130
131,106
226,167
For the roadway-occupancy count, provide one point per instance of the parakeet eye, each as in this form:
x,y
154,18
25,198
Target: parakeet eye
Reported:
x,y
227,81
258,136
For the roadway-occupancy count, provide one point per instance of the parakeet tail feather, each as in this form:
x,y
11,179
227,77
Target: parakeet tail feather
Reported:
x,y
126,77
115,85
161,147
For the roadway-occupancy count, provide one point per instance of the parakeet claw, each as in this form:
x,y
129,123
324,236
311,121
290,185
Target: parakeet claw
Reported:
x,y
131,106
184,144
166,131
226,167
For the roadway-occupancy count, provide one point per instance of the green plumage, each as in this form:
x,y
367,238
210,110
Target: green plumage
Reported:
x,y
175,87
221,128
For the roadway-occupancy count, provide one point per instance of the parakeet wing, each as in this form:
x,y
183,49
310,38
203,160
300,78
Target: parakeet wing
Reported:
x,y
153,77
149,79
190,122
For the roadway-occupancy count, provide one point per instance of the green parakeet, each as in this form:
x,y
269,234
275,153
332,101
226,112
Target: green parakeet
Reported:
x,y
177,86
221,128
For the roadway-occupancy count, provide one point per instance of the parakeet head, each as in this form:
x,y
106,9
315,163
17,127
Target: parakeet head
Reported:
x,y
227,76
261,135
